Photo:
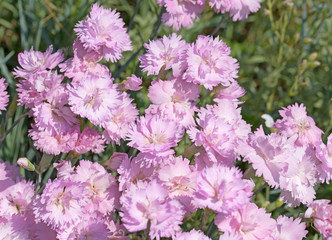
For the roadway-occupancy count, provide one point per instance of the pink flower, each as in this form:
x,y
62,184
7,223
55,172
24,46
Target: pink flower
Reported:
x,y
173,100
60,204
222,189
178,177
54,117
118,122
250,222
64,169
149,202
221,132
131,171
104,33
39,87
192,235
321,212
288,229
133,83
238,9
82,63
54,143
324,154
296,122
101,187
35,61
94,98
155,135
17,199
164,54
271,156
89,140
209,64
181,13
88,228
233,92
298,186
4,97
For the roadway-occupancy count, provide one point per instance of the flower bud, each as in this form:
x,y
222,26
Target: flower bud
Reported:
x,y
26,164
115,161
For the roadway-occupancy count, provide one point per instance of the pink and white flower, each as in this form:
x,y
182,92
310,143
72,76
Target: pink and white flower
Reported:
x,y
103,32
208,62
164,54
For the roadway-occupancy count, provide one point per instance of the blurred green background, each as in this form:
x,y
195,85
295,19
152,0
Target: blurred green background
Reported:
x,y
284,51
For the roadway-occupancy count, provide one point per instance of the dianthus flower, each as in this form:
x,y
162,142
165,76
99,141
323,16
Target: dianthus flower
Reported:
x,y
222,131
131,172
14,228
60,204
238,9
222,189
54,117
321,212
173,100
64,169
101,187
82,63
4,97
324,154
164,54
298,186
296,122
35,61
250,222
271,156
288,229
17,199
104,33
209,64
155,135
181,13
117,124
54,143
233,92
94,98
39,87
89,140
178,177
87,228
133,83
192,235
148,201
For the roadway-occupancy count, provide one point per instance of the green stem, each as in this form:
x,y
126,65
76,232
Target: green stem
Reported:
x,y
12,127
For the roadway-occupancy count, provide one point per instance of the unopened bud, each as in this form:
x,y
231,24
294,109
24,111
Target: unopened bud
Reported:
x,y
314,64
313,56
115,161
307,40
26,164
269,122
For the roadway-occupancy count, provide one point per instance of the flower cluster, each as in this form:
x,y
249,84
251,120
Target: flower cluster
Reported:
x,y
183,13
57,105
80,108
